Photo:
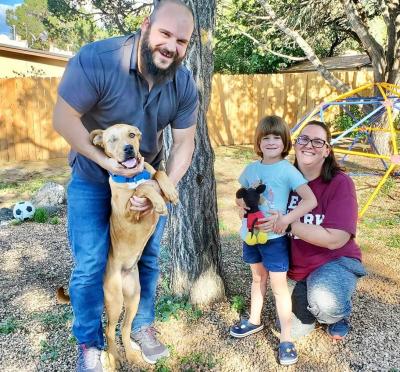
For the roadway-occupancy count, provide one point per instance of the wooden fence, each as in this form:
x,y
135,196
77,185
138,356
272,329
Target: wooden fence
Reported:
x,y
237,104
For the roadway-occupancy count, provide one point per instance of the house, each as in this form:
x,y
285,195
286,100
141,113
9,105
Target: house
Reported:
x,y
19,61
345,62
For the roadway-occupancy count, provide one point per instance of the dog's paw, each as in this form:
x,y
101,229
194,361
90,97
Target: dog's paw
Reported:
x,y
172,195
133,358
160,208
109,362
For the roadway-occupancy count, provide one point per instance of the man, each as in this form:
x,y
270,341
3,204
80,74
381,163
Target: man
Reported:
x,y
136,79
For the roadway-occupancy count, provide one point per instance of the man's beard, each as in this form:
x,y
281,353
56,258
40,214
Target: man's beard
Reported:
x,y
159,75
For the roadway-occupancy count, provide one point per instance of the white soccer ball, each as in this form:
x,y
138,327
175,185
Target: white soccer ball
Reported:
x,y
23,210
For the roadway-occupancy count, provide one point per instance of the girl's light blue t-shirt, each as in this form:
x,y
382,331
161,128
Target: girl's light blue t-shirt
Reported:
x,y
279,178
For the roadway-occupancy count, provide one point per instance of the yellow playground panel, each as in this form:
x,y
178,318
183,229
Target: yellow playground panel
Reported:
x,y
386,106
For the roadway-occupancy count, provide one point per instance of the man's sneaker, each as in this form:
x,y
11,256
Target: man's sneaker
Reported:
x,y
338,330
88,359
145,340
245,328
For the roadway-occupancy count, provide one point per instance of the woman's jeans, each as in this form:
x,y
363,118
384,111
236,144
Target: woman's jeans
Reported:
x,y
89,208
325,296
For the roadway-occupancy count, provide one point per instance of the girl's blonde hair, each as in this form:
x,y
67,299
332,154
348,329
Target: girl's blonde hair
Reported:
x,y
272,125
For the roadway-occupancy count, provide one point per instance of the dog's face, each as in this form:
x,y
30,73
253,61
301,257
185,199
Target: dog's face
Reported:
x,y
120,142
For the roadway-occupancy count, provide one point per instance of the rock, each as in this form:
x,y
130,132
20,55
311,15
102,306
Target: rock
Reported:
x,y
52,210
6,214
50,194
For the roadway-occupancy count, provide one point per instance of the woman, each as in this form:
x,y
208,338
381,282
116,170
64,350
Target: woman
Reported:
x,y
325,259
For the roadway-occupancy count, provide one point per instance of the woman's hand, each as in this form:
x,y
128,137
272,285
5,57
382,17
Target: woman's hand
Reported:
x,y
267,224
281,223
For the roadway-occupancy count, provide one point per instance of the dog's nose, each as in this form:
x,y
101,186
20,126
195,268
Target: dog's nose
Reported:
x,y
128,149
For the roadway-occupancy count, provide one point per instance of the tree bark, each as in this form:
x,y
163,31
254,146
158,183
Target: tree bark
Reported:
x,y
193,231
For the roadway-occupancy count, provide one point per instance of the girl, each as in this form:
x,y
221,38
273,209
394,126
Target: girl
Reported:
x,y
272,143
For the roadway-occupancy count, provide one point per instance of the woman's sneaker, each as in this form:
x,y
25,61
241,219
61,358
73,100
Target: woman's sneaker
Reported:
x,y
287,353
338,330
88,359
245,328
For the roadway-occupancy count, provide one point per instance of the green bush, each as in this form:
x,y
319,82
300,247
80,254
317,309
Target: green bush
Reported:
x,y
48,352
41,215
238,304
170,306
344,121
197,362
162,365
8,326
54,220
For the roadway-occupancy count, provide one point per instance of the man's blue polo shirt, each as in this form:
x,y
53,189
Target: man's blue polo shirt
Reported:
x,y
102,83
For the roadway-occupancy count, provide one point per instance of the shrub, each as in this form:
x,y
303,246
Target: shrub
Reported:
x,y
54,220
8,326
344,121
238,304
41,215
170,306
16,222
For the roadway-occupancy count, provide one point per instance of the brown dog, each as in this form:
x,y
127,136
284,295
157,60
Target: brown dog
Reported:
x,y
129,232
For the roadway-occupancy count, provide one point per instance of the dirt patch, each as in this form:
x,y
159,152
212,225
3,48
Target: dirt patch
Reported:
x,y
35,331
18,181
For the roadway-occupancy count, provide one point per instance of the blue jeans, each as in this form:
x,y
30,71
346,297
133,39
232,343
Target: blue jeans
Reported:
x,y
89,211
325,296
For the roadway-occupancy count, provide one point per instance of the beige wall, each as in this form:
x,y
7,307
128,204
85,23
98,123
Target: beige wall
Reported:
x,y
10,66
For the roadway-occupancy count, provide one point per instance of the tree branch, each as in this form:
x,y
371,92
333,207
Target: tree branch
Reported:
x,y
263,46
308,51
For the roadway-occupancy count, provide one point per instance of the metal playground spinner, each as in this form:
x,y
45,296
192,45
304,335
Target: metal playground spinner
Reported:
x,y
364,125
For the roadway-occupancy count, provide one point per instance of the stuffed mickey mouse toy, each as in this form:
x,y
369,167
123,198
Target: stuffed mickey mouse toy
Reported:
x,y
251,197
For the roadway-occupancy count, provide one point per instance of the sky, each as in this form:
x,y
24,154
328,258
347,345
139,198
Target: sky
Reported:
x,y
4,5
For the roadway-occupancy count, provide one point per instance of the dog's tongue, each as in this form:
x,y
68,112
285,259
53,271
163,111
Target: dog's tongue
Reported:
x,y
131,163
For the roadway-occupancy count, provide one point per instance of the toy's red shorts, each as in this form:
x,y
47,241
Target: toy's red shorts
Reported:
x,y
251,217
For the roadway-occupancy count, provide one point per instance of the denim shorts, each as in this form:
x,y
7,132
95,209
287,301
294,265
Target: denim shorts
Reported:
x,y
274,254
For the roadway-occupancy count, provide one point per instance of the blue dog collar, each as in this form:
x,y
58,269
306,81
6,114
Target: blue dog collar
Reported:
x,y
133,181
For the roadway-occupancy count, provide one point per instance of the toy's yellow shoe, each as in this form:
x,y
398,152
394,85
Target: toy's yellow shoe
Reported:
x,y
251,239
262,237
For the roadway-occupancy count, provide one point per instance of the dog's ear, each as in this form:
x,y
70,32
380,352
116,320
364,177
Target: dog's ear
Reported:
x,y
241,193
96,137
260,189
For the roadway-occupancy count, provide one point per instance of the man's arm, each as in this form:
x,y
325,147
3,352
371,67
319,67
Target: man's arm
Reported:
x,y
67,122
181,153
178,163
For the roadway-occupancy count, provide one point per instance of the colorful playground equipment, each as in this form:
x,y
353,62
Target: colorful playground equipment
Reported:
x,y
373,110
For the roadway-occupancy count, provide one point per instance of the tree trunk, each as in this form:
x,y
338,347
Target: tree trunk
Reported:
x,y
193,225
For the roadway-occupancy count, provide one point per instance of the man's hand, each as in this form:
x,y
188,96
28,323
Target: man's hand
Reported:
x,y
143,205
114,167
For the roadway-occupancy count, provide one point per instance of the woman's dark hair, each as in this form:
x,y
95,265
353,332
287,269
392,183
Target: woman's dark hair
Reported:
x,y
330,166
272,125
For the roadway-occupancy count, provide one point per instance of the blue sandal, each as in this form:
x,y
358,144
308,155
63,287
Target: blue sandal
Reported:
x,y
287,353
244,328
